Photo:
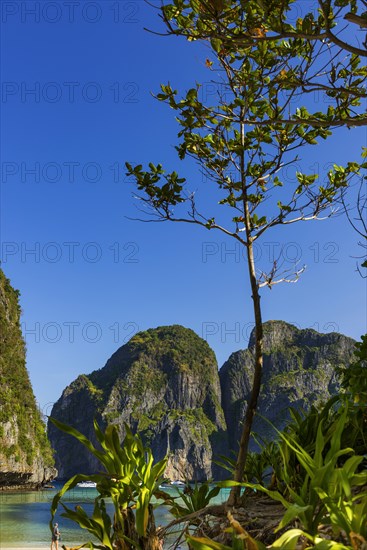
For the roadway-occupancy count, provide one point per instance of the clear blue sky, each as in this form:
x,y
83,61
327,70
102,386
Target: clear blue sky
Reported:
x,y
95,277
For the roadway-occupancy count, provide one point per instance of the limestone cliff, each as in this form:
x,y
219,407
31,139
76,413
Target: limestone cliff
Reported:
x,y
299,371
164,382
25,455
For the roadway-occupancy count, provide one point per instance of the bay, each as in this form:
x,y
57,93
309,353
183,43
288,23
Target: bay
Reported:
x,y
25,516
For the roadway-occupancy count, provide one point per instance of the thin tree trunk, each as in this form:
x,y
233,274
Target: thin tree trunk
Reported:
x,y
256,384
235,493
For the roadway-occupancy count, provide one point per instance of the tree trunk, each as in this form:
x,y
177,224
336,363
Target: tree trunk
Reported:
x,y
235,493
234,496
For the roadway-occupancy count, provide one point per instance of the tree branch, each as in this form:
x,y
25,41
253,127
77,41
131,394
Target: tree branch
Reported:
x,y
269,281
349,122
163,215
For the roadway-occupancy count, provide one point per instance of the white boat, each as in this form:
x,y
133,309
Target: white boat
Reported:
x,y
87,485
165,486
178,483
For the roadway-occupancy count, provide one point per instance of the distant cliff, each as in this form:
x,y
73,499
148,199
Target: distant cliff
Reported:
x,y
299,371
164,382
25,454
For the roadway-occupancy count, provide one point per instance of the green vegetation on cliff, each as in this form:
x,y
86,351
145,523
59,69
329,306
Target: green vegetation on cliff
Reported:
x,y
22,431
181,346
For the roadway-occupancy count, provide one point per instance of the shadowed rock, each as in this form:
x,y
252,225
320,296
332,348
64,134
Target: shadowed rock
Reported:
x,y
299,371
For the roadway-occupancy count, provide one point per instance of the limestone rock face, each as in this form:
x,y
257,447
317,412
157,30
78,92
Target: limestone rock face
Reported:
x,y
26,460
299,371
164,382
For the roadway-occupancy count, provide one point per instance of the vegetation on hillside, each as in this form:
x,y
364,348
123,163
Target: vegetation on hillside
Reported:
x,y
22,431
175,343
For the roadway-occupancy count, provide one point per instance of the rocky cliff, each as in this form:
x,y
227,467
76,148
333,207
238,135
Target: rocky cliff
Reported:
x,y
164,382
25,454
299,371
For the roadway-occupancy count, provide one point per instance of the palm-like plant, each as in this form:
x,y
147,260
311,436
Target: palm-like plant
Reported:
x,y
130,479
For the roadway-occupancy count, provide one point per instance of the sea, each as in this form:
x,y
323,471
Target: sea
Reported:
x,y
25,516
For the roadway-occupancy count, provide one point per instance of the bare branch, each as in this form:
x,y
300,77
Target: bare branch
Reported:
x,y
214,510
361,207
269,278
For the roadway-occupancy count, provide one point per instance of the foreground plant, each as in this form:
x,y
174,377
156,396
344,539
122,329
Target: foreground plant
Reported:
x,y
194,499
241,540
130,479
332,491
294,539
354,382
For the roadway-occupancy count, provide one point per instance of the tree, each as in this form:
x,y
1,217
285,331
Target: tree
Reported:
x,y
264,113
357,218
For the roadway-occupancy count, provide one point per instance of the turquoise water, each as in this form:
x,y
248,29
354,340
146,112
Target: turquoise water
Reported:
x,y
24,517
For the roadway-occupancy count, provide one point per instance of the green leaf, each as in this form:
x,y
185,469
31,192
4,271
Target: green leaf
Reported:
x,y
289,540
293,511
142,511
202,543
216,44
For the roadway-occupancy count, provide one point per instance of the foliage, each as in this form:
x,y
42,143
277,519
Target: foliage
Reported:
x,y
302,430
256,464
194,499
131,480
182,348
277,464
241,540
288,541
320,479
17,401
327,493
323,484
304,426
346,510
354,376
263,22
354,382
257,93
172,348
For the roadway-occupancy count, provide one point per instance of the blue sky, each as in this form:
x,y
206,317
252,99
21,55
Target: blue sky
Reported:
x,y
89,276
